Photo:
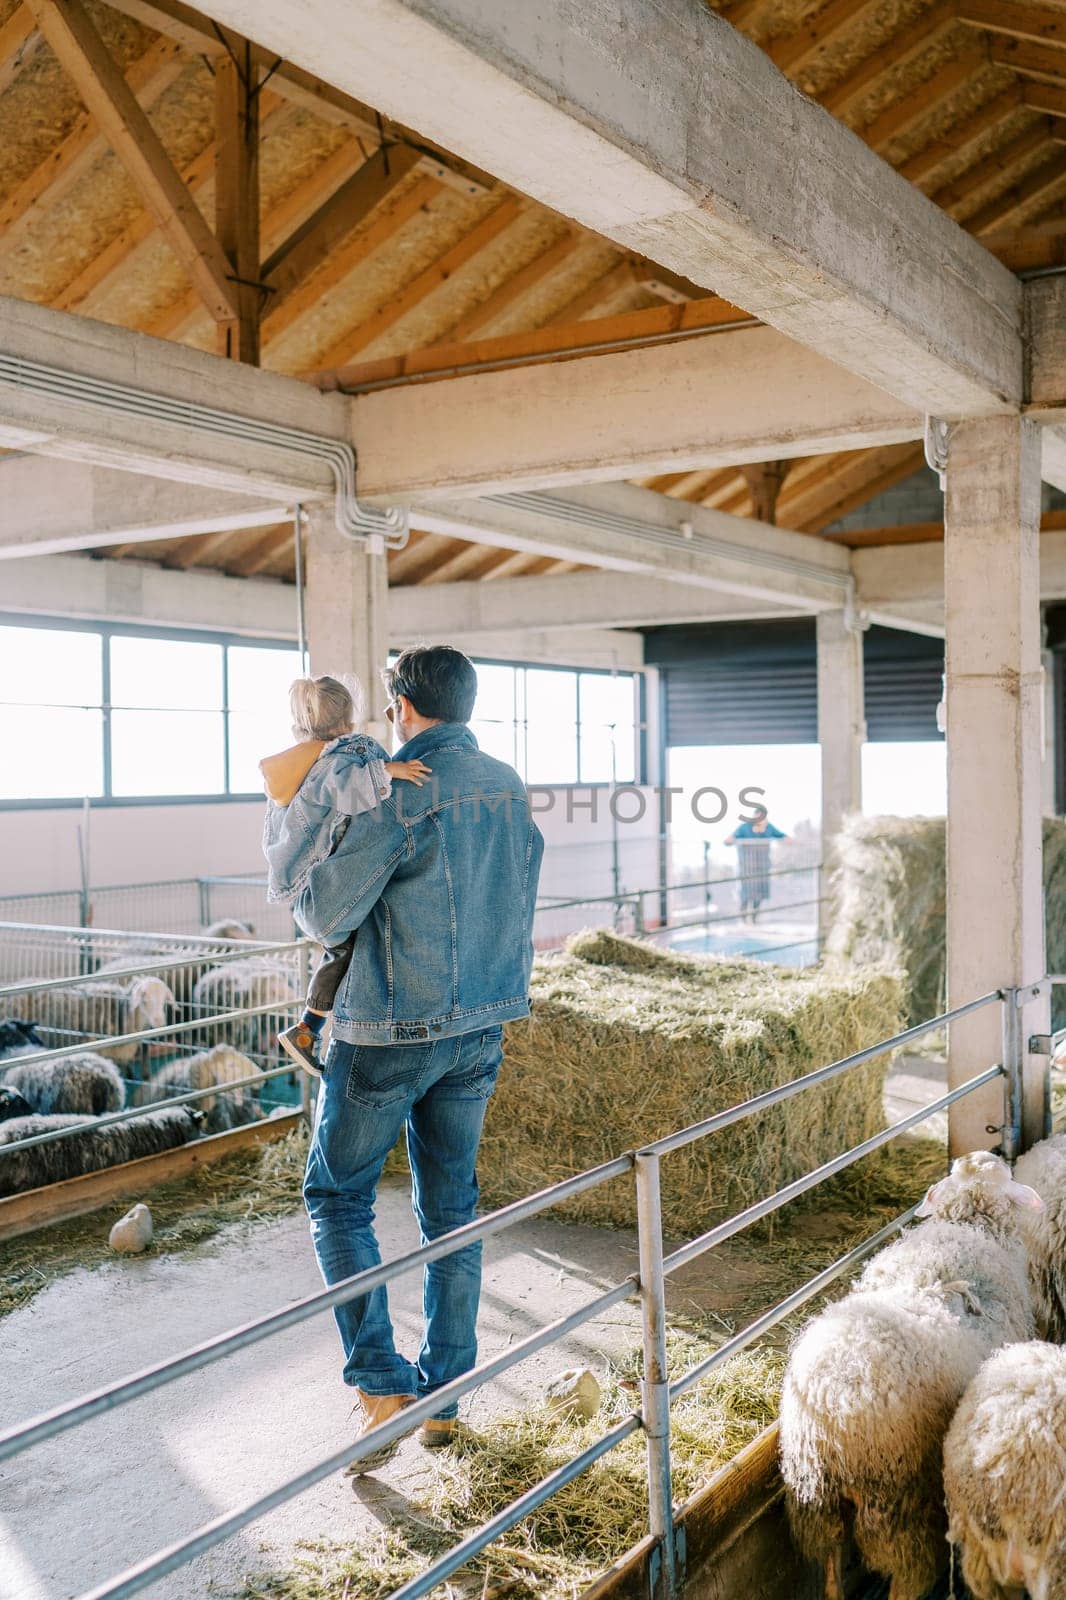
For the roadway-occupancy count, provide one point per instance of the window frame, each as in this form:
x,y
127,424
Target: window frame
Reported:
x,y
107,630
639,780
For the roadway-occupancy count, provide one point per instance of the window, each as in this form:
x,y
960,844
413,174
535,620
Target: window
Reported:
x,y
117,713
558,726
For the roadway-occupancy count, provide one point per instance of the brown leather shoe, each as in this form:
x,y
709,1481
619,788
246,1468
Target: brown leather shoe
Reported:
x,y
437,1432
376,1409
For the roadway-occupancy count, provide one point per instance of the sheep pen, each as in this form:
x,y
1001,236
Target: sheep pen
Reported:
x,y
627,1043
891,896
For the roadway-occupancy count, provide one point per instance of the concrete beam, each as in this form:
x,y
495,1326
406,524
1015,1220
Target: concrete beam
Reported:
x,y
746,395
663,128
82,422
627,529
913,574
82,588
54,506
574,602
557,647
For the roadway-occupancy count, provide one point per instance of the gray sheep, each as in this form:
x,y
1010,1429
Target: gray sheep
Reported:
x,y
873,1381
89,1151
252,981
222,1065
1043,1168
1005,1475
86,1085
96,1009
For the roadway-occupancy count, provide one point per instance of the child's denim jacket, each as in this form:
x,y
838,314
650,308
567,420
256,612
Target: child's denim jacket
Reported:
x,y
348,778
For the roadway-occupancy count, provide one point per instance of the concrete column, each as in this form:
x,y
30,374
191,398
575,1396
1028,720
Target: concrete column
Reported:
x,y
995,915
347,612
841,732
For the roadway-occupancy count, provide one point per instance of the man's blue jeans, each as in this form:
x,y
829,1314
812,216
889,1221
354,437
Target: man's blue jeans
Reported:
x,y
439,1091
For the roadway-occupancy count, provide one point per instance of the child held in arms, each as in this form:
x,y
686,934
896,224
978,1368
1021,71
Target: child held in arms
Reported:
x,y
314,788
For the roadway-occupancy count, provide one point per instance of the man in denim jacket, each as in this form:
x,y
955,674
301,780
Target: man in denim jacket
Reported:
x,y
440,883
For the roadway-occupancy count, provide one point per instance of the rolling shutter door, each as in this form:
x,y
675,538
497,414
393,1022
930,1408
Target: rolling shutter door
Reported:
x,y
756,683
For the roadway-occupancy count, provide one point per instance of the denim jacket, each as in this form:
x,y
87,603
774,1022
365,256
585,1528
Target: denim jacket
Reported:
x,y
348,779
441,882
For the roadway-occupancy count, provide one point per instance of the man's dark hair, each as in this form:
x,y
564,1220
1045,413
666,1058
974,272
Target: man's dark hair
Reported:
x,y
439,682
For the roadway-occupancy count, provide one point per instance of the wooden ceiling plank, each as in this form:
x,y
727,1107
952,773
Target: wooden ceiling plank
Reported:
x,y
886,479
419,556
464,563
898,52
405,299
513,288
1039,24
994,168
924,167
743,13
1028,249
149,77
1045,97
122,253
505,564
794,51
1005,209
264,551
922,101
922,532
186,553
554,342
199,35
237,202
384,224
19,43
623,275
306,248
1029,60
84,57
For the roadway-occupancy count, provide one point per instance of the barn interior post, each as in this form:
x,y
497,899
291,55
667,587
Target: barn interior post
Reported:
x,y
995,922
347,611
841,732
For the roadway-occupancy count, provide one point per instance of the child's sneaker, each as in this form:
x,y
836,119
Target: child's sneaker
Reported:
x,y
301,1043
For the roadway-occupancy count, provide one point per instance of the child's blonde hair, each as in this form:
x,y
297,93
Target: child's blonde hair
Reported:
x,y
323,707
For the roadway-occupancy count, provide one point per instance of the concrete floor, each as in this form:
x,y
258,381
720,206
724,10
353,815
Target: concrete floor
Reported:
x,y
76,1511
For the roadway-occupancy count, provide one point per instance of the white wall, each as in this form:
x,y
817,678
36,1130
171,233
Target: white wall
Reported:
x,y
129,844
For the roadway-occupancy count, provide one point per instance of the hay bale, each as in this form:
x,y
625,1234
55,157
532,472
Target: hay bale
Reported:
x,y
891,897
627,1043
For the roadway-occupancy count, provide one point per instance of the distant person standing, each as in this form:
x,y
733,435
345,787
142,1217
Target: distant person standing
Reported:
x,y
752,838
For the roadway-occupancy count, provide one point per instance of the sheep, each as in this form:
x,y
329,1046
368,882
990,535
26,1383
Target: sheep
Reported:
x,y
1005,1475
88,1151
252,981
95,1009
872,1382
85,1084
221,1065
18,1038
229,928
1043,1168
12,1104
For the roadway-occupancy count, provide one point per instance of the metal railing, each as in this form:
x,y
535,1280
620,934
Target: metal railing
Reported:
x,y
194,1024
648,1283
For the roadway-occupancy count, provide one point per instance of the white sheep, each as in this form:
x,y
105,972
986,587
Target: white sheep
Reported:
x,y
1005,1475
873,1381
252,981
222,1065
96,1009
86,1084
1043,1168
89,1150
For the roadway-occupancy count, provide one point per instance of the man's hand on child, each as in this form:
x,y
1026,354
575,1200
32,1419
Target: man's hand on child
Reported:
x,y
415,772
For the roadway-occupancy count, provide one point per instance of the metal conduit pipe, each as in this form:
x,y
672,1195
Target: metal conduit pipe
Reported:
x,y
354,520
684,537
